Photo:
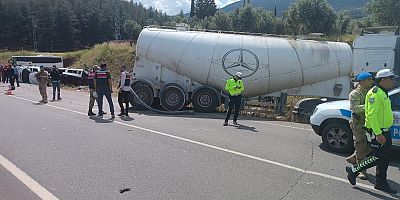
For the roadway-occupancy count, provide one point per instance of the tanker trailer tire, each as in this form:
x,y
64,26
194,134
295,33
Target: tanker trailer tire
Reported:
x,y
205,100
144,92
172,98
25,76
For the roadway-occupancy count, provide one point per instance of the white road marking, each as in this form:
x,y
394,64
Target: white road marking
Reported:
x,y
28,181
293,127
223,149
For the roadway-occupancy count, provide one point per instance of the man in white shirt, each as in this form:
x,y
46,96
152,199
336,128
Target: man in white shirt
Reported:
x,y
124,90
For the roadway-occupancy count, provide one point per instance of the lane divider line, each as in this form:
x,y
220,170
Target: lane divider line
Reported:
x,y
222,149
39,190
286,126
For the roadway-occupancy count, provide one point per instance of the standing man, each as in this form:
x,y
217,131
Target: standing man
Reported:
x,y
124,90
55,82
92,90
1,73
357,121
103,87
5,73
378,120
42,78
16,75
235,87
11,76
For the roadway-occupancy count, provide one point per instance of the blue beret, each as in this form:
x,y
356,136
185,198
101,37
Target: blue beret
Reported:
x,y
363,75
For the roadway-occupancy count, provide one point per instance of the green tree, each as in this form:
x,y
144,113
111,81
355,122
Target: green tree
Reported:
x,y
385,12
222,21
244,19
342,22
205,8
64,27
131,29
305,16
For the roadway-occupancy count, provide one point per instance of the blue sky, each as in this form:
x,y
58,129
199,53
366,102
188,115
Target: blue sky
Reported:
x,y
173,7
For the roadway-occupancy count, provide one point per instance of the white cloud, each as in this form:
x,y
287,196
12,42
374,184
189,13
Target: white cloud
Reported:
x,y
177,5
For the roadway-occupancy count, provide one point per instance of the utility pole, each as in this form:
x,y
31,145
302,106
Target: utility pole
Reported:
x,y
117,30
35,31
192,9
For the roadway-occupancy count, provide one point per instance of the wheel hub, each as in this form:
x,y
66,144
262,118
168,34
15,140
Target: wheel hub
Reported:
x,y
204,100
337,138
172,99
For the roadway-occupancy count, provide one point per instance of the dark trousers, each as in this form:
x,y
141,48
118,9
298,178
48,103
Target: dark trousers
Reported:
x,y
12,82
56,87
5,78
107,94
234,102
379,157
123,98
16,79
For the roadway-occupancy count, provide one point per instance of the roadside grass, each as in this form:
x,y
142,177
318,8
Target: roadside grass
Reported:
x,y
113,54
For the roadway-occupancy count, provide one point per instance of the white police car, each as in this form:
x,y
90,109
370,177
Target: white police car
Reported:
x,y
331,121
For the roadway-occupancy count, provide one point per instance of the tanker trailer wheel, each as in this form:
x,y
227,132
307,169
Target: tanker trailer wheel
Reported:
x,y
144,92
205,100
25,76
172,98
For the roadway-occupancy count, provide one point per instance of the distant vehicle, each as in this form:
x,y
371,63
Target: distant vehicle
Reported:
x,y
28,64
40,60
74,77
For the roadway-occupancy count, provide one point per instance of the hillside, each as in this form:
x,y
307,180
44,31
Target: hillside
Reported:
x,y
113,54
355,6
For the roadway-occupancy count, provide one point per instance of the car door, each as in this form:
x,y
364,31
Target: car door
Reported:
x,y
395,129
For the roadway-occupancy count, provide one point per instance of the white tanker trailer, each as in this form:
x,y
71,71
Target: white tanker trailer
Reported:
x,y
180,67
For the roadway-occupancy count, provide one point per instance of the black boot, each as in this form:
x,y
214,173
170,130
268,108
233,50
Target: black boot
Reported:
x,y
91,113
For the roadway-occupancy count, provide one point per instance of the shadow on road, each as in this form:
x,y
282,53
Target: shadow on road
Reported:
x,y
101,120
246,128
372,179
379,196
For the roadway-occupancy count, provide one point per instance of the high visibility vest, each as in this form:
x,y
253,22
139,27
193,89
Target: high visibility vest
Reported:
x,y
378,110
234,87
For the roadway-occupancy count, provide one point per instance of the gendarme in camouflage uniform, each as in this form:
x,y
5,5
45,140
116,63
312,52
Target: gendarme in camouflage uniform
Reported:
x,y
42,78
357,101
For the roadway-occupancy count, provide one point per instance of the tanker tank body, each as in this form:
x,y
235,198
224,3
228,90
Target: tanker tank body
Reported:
x,y
180,67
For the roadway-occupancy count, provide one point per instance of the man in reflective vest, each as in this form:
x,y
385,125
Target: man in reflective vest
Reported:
x,y
378,120
124,89
235,87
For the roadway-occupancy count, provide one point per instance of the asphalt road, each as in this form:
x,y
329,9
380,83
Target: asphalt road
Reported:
x,y
55,151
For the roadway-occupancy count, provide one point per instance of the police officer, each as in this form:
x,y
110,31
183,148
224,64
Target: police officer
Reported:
x,y
378,120
124,89
42,77
235,87
357,121
103,87
55,82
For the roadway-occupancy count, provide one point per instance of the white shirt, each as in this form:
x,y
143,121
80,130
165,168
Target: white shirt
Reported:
x,y
122,82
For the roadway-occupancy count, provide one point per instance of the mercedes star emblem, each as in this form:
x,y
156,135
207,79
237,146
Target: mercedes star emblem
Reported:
x,y
240,60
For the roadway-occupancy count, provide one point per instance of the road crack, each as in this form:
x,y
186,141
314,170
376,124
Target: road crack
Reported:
x,y
307,168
